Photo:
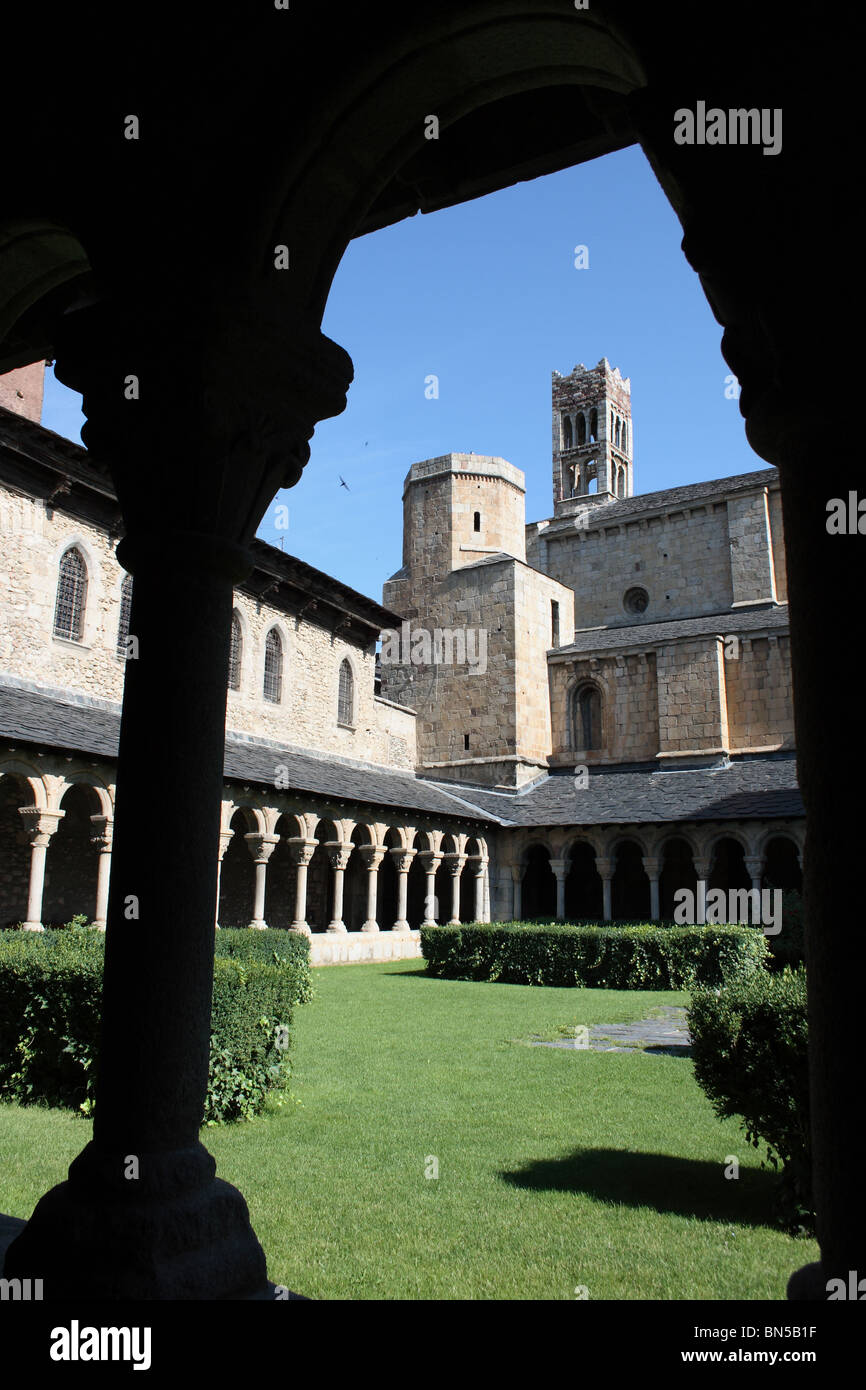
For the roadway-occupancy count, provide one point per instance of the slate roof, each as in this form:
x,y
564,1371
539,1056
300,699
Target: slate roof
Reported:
x,y
751,787
28,716
667,499
731,620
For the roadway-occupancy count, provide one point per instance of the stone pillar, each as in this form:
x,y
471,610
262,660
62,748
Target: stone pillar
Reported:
x,y
372,856
403,860
652,868
338,857
227,392
516,891
101,837
559,868
261,847
430,861
454,864
225,838
479,874
605,873
754,868
302,852
40,826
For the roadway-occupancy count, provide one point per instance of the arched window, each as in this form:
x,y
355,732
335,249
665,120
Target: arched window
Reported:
x,y
123,620
346,696
581,428
71,596
624,436
567,438
593,425
273,687
618,432
236,652
476,522
586,717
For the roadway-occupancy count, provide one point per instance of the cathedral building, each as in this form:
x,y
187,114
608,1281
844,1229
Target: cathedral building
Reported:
x,y
570,718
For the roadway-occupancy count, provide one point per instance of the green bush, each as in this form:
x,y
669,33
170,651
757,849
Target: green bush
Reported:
x,y
50,1011
272,946
749,1043
642,956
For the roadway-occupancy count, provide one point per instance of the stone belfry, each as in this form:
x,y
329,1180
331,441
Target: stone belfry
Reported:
x,y
592,438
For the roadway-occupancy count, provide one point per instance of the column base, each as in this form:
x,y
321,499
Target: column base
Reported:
x,y
430,923
257,924
454,922
174,1232
400,928
32,926
370,926
302,928
336,927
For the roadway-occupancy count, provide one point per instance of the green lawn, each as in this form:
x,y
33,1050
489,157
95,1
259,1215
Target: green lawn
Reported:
x,y
557,1168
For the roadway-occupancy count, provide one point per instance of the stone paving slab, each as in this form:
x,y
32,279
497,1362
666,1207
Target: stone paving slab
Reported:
x,y
666,1034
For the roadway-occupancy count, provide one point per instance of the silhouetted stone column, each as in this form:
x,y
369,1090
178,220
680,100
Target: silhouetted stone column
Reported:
x,y
101,837
261,847
302,852
480,877
372,856
201,411
40,826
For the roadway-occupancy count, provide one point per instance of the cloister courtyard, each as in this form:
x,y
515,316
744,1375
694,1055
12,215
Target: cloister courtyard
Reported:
x,y
430,1151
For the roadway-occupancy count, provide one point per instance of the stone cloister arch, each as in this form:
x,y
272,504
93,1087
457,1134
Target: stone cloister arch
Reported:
x,y
237,374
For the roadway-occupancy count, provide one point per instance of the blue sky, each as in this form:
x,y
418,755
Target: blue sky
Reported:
x,y
486,297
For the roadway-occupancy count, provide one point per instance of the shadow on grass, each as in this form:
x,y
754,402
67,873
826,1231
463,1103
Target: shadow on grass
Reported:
x,y
681,1186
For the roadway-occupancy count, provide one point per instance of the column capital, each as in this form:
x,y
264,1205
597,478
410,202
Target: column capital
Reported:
x,y
402,859
261,847
754,864
429,859
302,850
651,865
103,830
226,837
243,384
338,854
604,865
454,863
559,867
372,856
40,825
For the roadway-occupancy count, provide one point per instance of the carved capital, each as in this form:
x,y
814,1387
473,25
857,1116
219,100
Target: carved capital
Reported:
x,y
301,850
402,859
261,847
225,837
338,855
39,825
103,833
372,855
454,864
429,859
243,386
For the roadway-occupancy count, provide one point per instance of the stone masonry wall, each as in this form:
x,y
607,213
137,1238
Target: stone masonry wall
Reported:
x,y
691,694
34,541
760,699
630,717
21,390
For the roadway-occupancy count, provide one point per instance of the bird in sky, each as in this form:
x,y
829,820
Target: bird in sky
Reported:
x,y
343,483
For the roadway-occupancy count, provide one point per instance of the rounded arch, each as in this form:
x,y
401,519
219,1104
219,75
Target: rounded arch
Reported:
x,y
781,864
727,854
238,648
586,715
96,784
73,615
538,884
630,885
567,433
29,777
477,60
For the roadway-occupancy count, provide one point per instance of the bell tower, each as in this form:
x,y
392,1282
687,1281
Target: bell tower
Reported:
x,y
593,447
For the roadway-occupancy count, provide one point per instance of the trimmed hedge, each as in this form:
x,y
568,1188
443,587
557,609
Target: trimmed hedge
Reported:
x,y
272,946
603,957
749,1044
50,1014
